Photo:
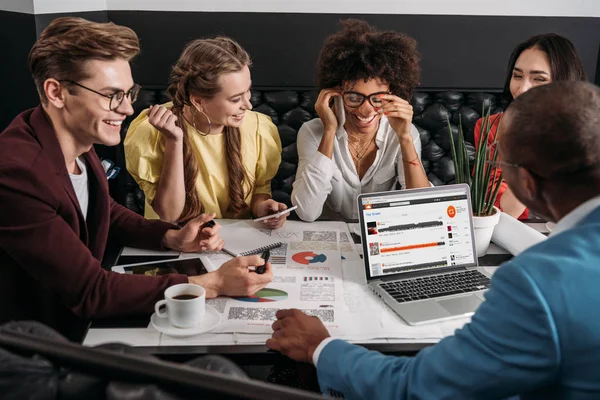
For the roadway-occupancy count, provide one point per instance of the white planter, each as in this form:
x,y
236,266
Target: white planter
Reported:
x,y
484,228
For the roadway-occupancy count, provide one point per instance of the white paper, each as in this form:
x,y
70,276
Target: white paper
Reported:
x,y
344,302
514,236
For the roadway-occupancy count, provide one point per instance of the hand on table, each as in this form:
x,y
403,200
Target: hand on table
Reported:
x,y
234,278
297,335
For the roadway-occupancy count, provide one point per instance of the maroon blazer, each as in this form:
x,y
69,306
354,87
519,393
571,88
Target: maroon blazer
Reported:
x,y
49,255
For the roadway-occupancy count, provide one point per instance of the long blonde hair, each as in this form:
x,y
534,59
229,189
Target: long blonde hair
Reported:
x,y
196,73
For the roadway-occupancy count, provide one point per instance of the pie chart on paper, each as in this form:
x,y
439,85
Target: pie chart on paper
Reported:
x,y
265,295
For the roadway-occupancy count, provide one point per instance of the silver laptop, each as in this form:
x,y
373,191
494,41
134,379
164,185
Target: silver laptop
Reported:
x,y
419,252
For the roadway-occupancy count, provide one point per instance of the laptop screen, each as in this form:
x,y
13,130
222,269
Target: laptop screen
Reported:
x,y
411,230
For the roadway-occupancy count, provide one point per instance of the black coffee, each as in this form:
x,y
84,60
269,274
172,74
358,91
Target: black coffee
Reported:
x,y
185,297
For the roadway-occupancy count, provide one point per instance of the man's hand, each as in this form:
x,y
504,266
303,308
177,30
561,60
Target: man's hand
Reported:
x,y
297,335
270,206
191,238
165,121
234,278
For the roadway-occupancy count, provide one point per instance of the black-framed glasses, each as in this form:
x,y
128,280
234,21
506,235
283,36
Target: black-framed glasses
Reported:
x,y
505,164
116,98
355,99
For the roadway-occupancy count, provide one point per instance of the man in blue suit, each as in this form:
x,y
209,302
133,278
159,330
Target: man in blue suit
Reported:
x,y
538,332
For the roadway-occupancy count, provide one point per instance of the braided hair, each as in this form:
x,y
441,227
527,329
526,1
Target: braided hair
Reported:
x,y
196,73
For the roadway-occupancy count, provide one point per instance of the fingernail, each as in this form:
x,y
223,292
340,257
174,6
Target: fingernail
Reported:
x,y
379,110
385,113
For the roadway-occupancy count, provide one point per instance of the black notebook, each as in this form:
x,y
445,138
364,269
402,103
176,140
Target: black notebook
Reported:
x,y
241,239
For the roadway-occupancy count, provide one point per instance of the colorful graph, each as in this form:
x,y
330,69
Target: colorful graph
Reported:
x,y
308,257
265,295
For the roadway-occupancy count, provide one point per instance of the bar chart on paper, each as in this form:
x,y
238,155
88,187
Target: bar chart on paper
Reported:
x,y
265,295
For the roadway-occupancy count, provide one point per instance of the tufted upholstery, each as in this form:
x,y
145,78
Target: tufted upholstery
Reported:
x,y
289,109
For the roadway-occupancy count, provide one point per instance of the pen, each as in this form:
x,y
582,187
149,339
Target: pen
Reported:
x,y
261,269
208,224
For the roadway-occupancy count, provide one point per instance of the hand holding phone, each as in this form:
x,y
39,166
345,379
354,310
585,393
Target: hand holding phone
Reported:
x,y
276,215
326,111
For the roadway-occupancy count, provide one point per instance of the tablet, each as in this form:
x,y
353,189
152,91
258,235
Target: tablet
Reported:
x,y
188,266
140,259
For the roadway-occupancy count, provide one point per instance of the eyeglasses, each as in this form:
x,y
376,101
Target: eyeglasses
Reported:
x,y
355,99
116,99
505,164
515,165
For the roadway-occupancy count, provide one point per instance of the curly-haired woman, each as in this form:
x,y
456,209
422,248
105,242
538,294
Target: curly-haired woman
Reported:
x,y
363,140
206,151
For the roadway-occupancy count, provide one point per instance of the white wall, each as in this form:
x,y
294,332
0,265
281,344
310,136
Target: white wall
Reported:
x,y
566,8
22,6
559,8
63,6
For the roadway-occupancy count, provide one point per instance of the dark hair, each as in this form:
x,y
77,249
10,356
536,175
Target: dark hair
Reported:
x,y
68,42
359,51
553,130
565,64
197,73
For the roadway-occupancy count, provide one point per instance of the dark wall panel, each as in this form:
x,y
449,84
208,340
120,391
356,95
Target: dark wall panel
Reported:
x,y
21,30
18,90
457,51
43,20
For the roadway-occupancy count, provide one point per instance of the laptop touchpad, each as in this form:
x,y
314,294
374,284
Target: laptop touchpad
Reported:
x,y
461,305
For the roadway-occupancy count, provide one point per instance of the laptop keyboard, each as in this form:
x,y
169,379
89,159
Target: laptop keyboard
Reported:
x,y
436,286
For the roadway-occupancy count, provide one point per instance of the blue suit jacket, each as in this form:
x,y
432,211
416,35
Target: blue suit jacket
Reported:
x,y
537,335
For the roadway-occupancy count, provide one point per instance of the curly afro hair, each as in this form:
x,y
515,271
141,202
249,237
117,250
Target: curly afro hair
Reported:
x,y
359,51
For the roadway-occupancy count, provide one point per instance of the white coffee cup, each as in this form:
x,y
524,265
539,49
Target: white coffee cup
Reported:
x,y
185,305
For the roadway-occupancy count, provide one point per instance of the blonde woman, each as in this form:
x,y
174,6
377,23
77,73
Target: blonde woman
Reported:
x,y
206,151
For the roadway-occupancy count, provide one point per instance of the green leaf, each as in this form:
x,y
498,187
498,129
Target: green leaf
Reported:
x,y
482,178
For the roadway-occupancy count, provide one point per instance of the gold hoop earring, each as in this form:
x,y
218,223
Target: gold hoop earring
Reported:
x,y
194,121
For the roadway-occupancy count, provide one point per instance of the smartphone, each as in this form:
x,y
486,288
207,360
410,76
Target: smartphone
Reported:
x,y
140,259
339,111
276,215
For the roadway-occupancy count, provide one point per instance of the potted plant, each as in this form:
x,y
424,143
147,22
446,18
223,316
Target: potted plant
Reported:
x,y
483,178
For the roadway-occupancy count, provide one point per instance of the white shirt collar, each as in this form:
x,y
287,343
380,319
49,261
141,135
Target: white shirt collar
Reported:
x,y
573,218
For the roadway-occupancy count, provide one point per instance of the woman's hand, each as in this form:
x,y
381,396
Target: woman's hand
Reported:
x,y
165,121
270,206
324,110
399,113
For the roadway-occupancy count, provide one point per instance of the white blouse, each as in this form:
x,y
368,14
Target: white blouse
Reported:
x,y
328,188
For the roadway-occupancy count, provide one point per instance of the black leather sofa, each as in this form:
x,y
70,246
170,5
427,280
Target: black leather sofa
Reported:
x,y
289,109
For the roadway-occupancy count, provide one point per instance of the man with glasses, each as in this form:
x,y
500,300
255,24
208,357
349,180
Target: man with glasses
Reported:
x,y
538,332
56,211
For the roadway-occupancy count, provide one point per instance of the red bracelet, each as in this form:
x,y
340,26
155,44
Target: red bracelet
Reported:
x,y
413,161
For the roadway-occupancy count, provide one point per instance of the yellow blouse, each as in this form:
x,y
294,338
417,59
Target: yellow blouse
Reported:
x,y
260,149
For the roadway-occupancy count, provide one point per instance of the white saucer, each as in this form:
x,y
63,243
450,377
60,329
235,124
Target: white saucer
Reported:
x,y
212,318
